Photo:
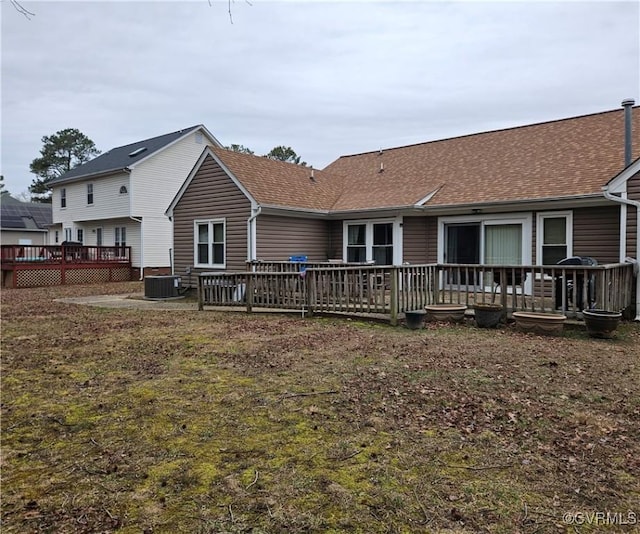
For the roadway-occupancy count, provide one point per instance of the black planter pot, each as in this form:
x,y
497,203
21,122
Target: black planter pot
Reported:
x,y
488,315
414,319
601,323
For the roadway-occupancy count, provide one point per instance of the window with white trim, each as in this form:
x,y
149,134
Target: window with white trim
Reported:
x,y
89,194
210,243
63,197
372,241
120,238
68,236
79,235
554,233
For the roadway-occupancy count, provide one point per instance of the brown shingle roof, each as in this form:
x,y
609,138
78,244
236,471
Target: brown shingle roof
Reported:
x,y
563,158
568,157
277,183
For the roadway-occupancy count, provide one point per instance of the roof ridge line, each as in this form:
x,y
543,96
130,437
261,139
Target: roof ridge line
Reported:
x,y
521,126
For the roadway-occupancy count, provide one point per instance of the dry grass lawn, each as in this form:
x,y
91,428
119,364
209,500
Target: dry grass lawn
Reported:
x,y
183,421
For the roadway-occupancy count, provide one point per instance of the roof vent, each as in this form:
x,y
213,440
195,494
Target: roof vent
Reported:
x,y
381,167
312,177
137,151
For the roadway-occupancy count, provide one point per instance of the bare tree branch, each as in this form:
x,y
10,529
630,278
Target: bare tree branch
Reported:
x,y
21,9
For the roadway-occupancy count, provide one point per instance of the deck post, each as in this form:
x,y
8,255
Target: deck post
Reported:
x,y
310,287
200,294
249,291
394,296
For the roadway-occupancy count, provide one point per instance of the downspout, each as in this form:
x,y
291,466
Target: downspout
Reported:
x,y
636,204
128,170
250,234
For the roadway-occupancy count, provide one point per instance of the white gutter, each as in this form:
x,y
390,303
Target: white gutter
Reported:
x,y
251,233
636,204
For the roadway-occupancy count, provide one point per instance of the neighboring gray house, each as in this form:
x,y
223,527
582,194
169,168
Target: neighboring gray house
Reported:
x,y
119,198
24,223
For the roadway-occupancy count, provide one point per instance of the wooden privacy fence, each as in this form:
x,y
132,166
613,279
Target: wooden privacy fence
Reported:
x,y
393,290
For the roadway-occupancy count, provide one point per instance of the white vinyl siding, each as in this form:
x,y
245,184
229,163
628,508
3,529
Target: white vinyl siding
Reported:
x,y
155,181
107,201
157,239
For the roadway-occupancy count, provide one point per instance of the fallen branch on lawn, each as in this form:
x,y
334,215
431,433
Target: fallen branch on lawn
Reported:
x,y
253,483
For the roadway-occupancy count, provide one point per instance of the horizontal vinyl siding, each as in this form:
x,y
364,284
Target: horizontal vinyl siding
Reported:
x,y
157,241
414,240
278,238
335,240
108,202
432,240
596,233
211,195
155,182
633,193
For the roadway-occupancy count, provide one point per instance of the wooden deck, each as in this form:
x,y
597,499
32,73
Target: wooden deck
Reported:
x,y
392,290
47,265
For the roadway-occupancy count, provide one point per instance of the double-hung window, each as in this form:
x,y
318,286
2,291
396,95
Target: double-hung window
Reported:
x,y
79,235
63,197
89,194
210,243
371,241
554,237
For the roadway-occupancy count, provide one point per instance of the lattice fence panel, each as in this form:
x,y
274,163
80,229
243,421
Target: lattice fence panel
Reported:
x,y
38,278
86,276
120,274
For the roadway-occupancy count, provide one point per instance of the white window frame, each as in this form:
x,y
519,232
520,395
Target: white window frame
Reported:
x,y
80,235
490,219
525,219
210,222
68,234
63,198
99,236
120,232
397,236
540,218
89,194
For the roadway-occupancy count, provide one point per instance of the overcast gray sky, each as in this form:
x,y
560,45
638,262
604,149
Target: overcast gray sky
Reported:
x,y
326,78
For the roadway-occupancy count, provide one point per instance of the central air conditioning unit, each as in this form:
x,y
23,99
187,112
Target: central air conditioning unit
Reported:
x,y
162,287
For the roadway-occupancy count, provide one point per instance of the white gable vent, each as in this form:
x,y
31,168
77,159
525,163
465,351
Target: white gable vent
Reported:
x,y
137,151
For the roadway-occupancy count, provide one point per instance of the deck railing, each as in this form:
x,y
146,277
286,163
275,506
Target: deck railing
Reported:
x,y
565,288
59,254
392,290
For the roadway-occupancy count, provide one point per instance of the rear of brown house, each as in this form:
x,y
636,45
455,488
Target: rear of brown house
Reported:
x,y
211,195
